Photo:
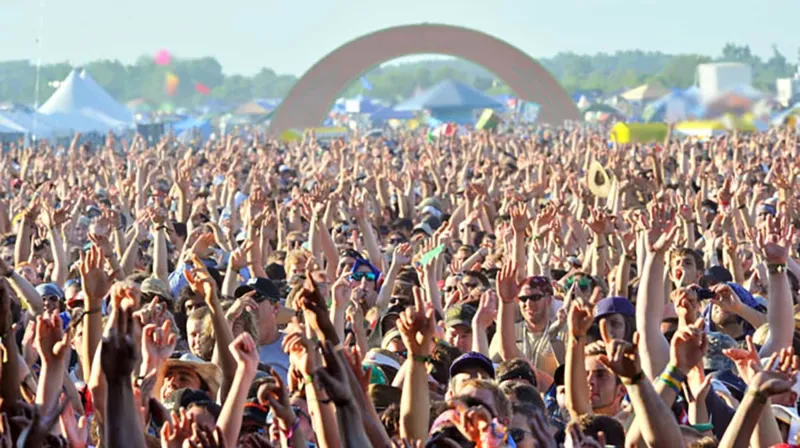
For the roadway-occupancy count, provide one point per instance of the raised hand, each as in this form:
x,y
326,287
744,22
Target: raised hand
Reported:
x,y
747,361
688,346
507,287
621,357
205,437
174,432
417,326
245,352
52,343
158,343
580,318
94,280
600,223
200,280
660,228
242,304
302,352
118,355
402,255
487,310
74,429
274,394
697,384
333,376
774,240
726,298
519,218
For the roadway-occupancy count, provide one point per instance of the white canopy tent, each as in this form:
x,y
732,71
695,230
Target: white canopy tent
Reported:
x,y
108,105
78,107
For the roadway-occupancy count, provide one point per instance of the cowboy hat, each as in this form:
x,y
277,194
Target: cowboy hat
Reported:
x,y
599,180
208,372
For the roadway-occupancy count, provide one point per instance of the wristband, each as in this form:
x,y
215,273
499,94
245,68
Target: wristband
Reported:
x,y
420,358
776,268
670,382
636,379
308,379
703,427
758,397
288,433
676,374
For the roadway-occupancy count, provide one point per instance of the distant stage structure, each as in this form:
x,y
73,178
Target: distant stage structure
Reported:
x,y
308,103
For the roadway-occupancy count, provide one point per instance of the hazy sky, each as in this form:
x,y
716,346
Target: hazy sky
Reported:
x,y
290,35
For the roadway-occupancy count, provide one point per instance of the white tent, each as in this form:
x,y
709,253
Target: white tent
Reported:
x,y
106,102
9,127
35,123
77,107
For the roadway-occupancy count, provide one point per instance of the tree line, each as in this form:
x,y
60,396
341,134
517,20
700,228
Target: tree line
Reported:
x,y
392,82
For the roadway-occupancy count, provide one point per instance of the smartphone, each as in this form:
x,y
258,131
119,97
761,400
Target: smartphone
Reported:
x,y
705,293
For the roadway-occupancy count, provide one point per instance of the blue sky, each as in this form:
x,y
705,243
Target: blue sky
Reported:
x,y
290,35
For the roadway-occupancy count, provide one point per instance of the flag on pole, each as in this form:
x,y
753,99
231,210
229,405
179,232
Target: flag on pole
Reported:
x,y
199,87
171,83
365,83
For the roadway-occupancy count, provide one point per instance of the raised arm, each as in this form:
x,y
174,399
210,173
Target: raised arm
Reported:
x,y
417,329
650,299
577,386
230,418
775,241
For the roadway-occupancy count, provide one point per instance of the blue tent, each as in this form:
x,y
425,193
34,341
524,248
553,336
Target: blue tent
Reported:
x,y
450,94
186,129
388,113
681,104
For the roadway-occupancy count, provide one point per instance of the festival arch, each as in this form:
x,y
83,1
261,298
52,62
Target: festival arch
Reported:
x,y
309,101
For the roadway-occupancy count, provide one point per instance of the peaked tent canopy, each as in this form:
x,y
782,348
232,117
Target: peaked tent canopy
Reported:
x,y
75,106
449,94
645,92
108,105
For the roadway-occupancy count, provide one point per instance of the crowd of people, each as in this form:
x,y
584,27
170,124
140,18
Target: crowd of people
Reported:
x,y
490,289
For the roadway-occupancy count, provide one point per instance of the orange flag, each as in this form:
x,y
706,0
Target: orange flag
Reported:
x,y
171,83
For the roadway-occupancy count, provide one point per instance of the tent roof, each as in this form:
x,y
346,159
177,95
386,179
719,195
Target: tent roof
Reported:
x,y
645,92
108,104
7,126
449,94
76,105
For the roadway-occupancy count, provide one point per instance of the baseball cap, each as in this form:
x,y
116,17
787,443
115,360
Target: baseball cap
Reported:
x,y
50,289
459,314
614,305
471,360
718,274
265,290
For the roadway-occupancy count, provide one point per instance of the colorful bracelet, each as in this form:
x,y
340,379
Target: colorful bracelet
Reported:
x,y
309,379
670,382
290,432
676,374
703,427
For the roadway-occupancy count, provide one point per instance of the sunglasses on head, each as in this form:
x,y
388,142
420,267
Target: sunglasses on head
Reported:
x,y
358,276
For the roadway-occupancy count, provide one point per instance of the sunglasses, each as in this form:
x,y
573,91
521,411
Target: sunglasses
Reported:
x,y
532,298
396,241
358,276
449,289
583,284
403,353
471,285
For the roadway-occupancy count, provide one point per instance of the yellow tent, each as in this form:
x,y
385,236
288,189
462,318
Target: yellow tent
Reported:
x,y
711,128
638,132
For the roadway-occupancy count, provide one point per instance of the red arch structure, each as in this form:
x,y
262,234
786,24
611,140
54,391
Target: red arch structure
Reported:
x,y
309,101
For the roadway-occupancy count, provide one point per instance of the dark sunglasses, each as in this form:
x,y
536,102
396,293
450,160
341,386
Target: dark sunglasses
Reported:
x,y
471,285
396,241
532,298
357,276
449,289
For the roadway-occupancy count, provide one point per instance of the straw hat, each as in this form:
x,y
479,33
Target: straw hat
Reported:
x,y
208,372
598,180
